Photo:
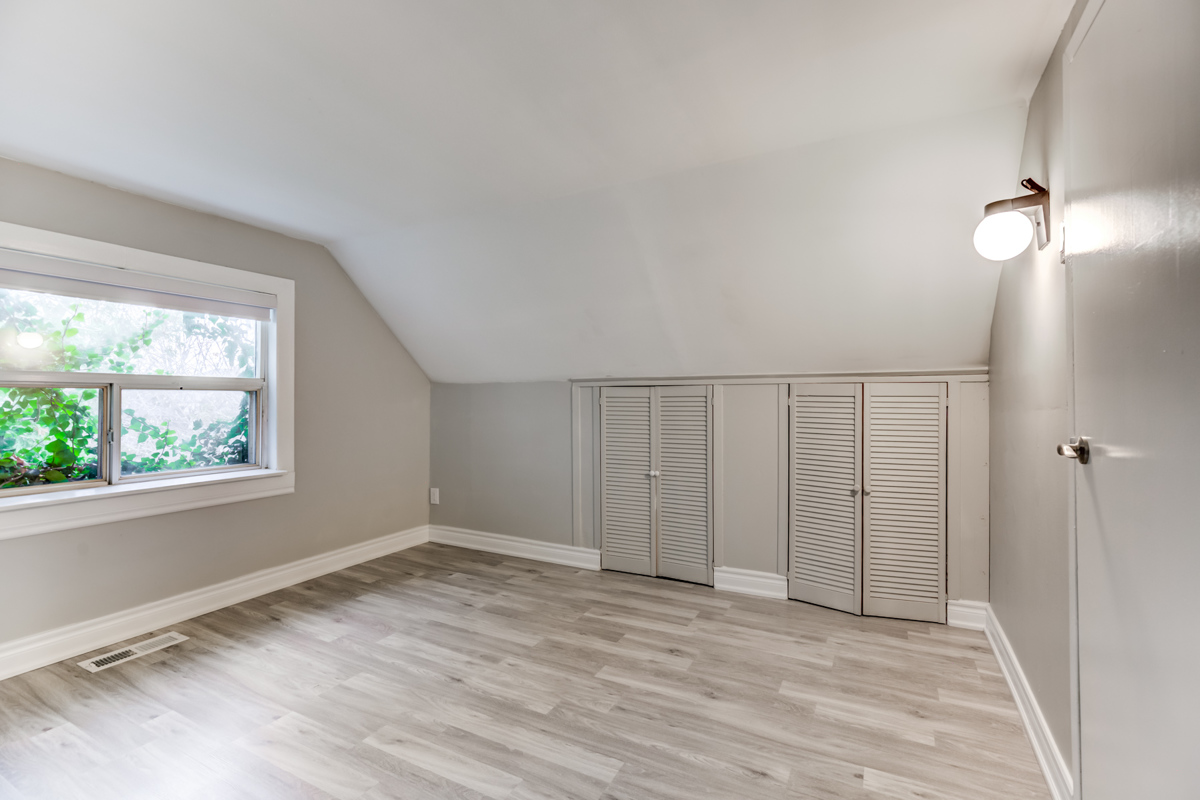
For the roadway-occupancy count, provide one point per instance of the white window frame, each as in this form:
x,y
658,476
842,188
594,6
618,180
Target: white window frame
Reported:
x,y
130,497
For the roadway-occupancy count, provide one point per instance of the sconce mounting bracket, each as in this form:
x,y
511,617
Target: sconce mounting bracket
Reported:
x,y
1036,205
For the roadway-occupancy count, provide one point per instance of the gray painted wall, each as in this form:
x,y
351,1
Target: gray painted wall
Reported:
x,y
750,467
967,552
1030,374
501,458
361,471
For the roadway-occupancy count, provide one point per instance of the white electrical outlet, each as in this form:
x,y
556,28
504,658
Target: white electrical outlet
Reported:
x,y
433,497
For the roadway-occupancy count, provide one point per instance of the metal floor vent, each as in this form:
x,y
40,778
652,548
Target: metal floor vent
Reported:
x,y
133,651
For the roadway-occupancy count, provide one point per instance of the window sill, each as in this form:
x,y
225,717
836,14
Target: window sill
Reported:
x,y
31,514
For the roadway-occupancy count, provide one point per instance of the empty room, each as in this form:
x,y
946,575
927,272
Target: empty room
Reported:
x,y
599,399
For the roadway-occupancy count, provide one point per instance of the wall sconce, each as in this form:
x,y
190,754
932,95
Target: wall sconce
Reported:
x,y
1008,226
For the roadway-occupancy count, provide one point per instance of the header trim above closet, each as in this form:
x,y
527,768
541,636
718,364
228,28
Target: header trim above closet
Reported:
x,y
954,375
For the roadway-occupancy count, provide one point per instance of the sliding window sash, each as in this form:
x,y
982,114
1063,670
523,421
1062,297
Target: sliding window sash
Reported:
x,y
103,462
110,385
258,420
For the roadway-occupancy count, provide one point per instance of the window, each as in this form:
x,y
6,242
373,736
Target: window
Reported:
x,y
110,391
124,372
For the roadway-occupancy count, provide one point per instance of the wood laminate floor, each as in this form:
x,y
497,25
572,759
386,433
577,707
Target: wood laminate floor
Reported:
x,y
446,673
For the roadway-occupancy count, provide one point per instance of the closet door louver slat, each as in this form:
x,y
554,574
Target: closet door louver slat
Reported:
x,y
685,483
905,513
627,491
825,511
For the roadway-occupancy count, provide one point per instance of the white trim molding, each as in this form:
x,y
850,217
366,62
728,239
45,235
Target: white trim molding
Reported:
x,y
69,641
935,376
748,581
582,557
979,616
31,514
728,579
1054,767
1091,10
969,614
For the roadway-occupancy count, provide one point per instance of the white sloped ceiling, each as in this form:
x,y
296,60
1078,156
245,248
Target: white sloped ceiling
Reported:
x,y
540,189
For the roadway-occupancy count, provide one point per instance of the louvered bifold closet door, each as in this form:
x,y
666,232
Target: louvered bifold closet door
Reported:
x,y
905,513
685,483
628,432
826,507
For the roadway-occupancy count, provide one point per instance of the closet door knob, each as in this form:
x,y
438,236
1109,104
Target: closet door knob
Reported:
x,y
1079,447
855,489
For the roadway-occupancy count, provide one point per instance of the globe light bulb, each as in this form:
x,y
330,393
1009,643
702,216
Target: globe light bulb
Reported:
x,y
1002,236
30,340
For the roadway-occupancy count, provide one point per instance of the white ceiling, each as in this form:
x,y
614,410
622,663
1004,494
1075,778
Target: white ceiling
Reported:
x,y
409,135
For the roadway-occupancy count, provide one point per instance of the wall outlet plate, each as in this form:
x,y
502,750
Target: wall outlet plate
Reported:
x,y
433,497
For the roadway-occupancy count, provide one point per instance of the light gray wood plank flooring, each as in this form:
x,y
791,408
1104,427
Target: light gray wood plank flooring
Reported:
x,y
439,672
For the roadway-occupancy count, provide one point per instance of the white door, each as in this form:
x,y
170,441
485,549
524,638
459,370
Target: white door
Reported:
x,y
656,481
628,433
825,562
1132,95
904,511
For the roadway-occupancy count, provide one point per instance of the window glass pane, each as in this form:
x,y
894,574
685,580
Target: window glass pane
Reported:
x,y
48,436
181,429
48,332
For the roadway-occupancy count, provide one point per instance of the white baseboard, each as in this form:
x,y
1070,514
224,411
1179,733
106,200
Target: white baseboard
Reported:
x,y
969,614
748,581
729,579
49,647
582,557
1054,768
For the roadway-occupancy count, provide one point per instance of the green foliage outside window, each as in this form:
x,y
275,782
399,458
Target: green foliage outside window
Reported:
x,y
48,436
